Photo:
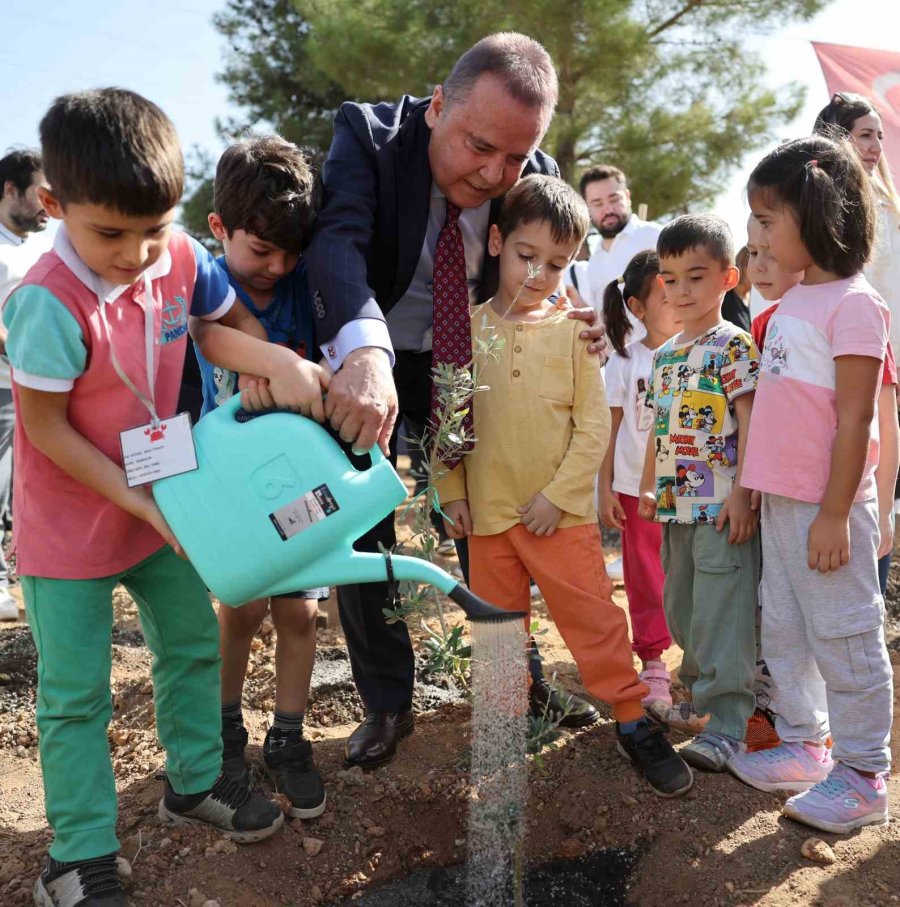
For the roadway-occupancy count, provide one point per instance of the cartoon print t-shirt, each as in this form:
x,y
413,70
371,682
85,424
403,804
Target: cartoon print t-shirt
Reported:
x,y
692,390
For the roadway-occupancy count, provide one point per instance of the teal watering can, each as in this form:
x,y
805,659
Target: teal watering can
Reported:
x,y
275,505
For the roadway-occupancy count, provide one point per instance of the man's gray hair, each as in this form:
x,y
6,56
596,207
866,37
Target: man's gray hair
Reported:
x,y
519,61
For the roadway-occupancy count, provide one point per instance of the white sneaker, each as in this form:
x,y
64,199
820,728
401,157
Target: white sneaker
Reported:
x,y
615,571
9,609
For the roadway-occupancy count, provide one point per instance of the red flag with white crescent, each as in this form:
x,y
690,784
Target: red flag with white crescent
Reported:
x,y
875,74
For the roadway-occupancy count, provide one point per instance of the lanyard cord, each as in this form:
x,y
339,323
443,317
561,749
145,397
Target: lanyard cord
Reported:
x,y
149,344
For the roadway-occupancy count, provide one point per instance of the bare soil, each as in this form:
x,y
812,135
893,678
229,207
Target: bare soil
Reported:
x,y
724,844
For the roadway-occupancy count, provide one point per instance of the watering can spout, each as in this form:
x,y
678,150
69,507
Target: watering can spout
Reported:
x,y
398,568
476,609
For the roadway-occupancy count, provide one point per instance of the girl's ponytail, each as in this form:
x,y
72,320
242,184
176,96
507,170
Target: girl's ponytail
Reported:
x,y
615,317
637,281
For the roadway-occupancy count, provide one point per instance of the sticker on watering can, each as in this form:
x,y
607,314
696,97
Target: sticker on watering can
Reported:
x,y
305,511
151,452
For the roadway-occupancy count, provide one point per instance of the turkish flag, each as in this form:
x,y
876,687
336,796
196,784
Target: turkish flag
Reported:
x,y
875,74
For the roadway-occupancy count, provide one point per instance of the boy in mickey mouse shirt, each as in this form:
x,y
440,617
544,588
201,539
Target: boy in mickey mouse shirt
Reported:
x,y
710,549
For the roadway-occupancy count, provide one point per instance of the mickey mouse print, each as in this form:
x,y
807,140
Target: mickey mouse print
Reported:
x,y
694,420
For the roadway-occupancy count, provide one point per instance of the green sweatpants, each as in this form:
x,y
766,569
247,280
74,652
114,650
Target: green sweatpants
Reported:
x,y
709,597
71,621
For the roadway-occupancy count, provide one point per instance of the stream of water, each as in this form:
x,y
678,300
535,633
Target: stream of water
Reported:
x,y
499,771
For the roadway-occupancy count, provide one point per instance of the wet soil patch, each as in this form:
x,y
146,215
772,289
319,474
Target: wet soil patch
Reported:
x,y
598,879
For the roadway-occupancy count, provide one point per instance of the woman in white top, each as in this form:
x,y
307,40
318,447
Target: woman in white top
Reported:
x,y
855,117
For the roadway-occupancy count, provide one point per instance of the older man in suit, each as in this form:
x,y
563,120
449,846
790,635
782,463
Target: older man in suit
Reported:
x,y
406,183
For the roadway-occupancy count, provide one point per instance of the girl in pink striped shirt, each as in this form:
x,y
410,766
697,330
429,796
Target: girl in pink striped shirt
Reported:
x,y
812,452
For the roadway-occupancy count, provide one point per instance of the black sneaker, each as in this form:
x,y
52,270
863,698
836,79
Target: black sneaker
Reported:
x,y
289,762
245,816
652,755
83,883
567,710
234,741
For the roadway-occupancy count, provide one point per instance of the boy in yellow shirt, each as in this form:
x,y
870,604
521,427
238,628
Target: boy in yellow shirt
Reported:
x,y
525,495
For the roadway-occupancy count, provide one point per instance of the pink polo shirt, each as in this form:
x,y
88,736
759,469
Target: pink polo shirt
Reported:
x,y
57,343
794,420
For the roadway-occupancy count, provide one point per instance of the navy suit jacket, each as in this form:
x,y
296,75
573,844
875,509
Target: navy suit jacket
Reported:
x,y
369,234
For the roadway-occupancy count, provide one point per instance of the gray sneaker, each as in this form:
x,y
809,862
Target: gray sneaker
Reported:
x,y
84,883
243,815
711,752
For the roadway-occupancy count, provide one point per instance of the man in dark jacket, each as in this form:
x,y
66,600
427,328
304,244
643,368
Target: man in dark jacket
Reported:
x,y
399,179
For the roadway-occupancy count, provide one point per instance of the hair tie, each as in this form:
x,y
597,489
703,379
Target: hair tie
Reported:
x,y
811,164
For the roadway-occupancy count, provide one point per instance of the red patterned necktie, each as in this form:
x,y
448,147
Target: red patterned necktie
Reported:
x,y
451,341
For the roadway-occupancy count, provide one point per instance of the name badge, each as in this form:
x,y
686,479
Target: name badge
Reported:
x,y
151,452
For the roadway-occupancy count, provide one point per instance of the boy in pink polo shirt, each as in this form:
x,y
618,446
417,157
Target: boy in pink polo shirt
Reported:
x,y
97,338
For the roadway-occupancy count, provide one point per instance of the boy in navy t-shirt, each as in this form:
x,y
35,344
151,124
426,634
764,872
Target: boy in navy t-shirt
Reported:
x,y
265,203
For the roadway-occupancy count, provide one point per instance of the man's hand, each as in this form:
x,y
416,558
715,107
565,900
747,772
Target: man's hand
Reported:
x,y
738,512
539,516
647,506
828,543
595,332
612,513
575,298
457,519
362,400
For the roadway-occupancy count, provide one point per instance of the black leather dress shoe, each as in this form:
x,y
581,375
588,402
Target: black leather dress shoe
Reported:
x,y
561,706
375,741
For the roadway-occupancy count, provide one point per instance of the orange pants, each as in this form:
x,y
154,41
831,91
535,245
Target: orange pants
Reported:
x,y
568,567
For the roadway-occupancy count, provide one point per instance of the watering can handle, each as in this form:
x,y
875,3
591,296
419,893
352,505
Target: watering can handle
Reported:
x,y
233,406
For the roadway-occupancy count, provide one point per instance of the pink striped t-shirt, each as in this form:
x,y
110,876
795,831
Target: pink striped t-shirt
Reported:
x,y
58,343
794,420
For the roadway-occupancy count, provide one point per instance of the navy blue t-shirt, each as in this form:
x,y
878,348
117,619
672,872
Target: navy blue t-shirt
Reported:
x,y
288,322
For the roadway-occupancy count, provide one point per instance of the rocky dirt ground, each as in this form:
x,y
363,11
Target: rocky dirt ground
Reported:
x,y
724,844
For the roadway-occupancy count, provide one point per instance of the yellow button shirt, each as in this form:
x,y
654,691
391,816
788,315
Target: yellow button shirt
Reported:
x,y
542,427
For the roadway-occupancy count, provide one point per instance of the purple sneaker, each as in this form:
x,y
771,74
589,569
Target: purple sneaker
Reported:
x,y
789,766
843,801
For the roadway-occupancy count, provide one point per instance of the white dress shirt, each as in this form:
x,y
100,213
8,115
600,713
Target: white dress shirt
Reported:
x,y
606,265
408,324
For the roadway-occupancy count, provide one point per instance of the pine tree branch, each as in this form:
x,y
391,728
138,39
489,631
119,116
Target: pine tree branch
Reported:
x,y
690,6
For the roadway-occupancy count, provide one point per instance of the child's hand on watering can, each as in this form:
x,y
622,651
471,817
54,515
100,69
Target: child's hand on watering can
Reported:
x,y
457,519
255,394
539,516
142,505
298,385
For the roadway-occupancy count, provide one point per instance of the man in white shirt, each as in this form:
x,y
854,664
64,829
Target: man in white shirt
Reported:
x,y
622,235
21,213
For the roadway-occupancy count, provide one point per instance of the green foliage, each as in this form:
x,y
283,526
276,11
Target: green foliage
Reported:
x,y
661,88
449,654
269,73
198,200
542,731
270,76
